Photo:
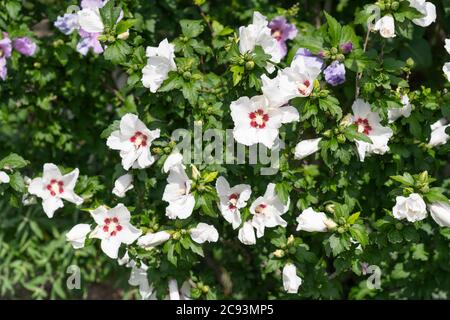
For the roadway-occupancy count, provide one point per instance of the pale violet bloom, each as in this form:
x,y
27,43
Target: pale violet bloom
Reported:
x,y
151,240
88,41
440,212
297,80
291,281
438,135
4,178
231,200
312,221
122,185
405,110
67,23
411,208
184,293
368,123
282,31
113,228
53,187
386,26
246,234
77,235
306,147
161,60
90,20
133,140
427,9
204,233
256,121
267,211
178,190
259,34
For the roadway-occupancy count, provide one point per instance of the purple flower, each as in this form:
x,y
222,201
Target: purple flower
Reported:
x,y
335,73
347,47
92,4
5,46
3,69
310,59
282,31
67,23
88,41
25,46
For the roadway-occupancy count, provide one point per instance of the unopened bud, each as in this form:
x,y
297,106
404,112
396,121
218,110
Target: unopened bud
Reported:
x,y
331,225
123,35
290,240
195,173
346,121
249,65
278,253
329,208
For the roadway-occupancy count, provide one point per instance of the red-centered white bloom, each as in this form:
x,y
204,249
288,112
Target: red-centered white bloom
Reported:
x,y
291,82
306,147
405,110
267,211
77,235
53,187
247,234
160,61
259,34
386,26
312,221
113,228
368,123
133,139
178,190
204,232
184,293
438,135
122,185
231,200
291,281
151,240
256,121
411,208
4,178
426,8
440,212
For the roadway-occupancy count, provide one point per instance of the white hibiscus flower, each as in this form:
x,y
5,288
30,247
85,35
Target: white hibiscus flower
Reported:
x,y
77,235
231,200
247,234
4,178
438,135
386,26
122,185
368,123
204,233
161,60
177,191
426,8
113,228
256,121
53,187
133,140
411,208
291,281
267,211
405,110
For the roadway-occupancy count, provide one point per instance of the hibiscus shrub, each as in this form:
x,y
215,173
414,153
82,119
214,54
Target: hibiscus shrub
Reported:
x,y
234,149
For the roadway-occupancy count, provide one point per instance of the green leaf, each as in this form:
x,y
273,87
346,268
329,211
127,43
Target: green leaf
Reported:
x,y
238,72
334,30
117,52
197,249
406,179
124,25
13,161
112,127
17,182
191,28
352,219
419,252
283,189
394,236
110,14
359,233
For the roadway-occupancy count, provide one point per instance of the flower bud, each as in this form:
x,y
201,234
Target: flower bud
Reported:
x,y
334,50
329,208
331,225
123,35
195,172
249,65
410,62
346,47
346,121
290,240
395,5
278,253
341,138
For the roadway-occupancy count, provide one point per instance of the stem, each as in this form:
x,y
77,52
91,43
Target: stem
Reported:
x,y
359,74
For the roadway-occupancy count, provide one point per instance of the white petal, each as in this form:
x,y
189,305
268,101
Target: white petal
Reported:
x,y
90,20
51,204
4,178
123,184
77,235
110,246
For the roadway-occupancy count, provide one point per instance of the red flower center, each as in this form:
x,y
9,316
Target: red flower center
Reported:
x,y
260,208
112,226
55,187
139,139
258,119
233,201
363,126
277,34
303,87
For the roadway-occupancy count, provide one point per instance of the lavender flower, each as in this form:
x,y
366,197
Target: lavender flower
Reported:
x,y
335,73
88,41
282,31
25,46
347,47
310,59
67,23
85,4
5,52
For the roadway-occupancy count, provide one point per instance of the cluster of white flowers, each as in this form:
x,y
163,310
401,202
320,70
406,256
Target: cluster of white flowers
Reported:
x,y
386,24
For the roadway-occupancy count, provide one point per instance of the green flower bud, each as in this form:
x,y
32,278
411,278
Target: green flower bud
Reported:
x,y
341,138
410,62
334,50
395,5
249,65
